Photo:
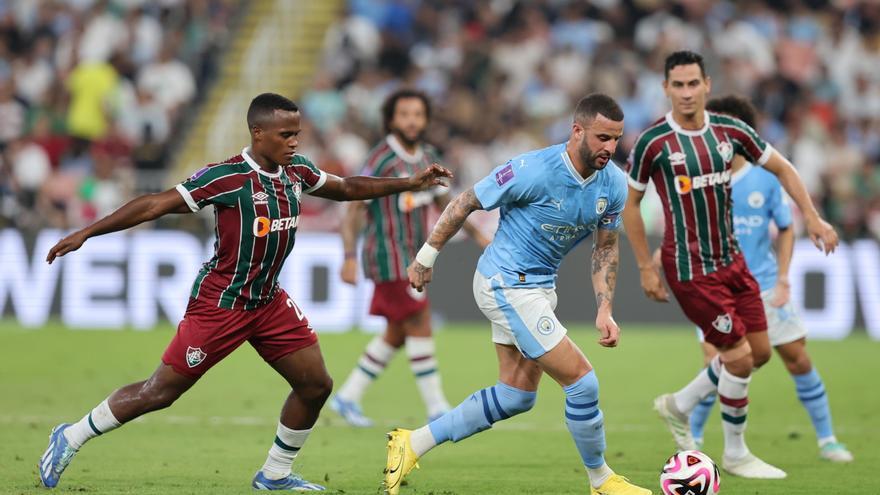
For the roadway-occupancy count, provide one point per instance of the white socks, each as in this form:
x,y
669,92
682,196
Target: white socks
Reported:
x,y
733,394
287,444
422,440
420,351
699,388
97,422
371,364
599,475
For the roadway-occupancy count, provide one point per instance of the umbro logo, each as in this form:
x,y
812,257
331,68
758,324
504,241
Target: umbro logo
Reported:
x,y
260,198
677,158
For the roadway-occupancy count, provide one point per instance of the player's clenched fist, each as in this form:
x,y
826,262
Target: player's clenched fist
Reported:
x,y
419,275
609,332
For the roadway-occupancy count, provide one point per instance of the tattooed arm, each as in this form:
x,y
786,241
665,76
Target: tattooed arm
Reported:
x,y
450,222
605,259
472,230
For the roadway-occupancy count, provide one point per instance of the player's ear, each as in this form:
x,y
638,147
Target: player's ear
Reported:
x,y
708,84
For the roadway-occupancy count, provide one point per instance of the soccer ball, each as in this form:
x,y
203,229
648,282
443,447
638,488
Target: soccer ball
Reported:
x,y
690,472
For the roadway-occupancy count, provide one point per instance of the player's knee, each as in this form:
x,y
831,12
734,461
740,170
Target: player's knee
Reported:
x,y
760,357
585,391
514,401
741,367
317,391
799,365
158,397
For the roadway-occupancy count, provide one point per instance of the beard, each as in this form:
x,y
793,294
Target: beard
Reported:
x,y
589,158
407,141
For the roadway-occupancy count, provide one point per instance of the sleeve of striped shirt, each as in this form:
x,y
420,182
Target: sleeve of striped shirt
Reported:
x,y
218,185
639,163
748,143
503,186
311,176
780,208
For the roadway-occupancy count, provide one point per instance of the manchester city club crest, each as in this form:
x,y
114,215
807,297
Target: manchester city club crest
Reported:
x,y
194,356
725,150
756,199
546,326
601,205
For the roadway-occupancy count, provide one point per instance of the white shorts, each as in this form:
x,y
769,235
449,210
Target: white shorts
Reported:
x,y
520,317
783,324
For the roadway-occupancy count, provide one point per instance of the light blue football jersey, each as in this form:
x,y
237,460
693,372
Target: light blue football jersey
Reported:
x,y
547,209
758,198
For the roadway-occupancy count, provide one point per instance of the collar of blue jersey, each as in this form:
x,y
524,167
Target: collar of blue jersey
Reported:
x,y
395,145
246,153
574,173
739,174
677,128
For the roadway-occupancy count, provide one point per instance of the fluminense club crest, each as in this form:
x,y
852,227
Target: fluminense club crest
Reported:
x,y
725,150
194,356
723,323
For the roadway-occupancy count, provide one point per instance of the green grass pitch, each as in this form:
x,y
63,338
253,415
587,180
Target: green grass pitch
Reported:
x,y
215,437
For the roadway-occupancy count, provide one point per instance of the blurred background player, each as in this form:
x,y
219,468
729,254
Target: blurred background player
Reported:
x,y
551,200
758,199
236,296
688,155
396,226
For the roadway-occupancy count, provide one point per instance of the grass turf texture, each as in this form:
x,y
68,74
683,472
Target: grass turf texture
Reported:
x,y
216,436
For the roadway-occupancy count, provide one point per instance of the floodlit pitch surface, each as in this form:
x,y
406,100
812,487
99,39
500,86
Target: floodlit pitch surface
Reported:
x,y
215,437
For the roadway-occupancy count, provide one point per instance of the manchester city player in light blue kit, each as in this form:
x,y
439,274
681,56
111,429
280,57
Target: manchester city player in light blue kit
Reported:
x,y
758,199
550,200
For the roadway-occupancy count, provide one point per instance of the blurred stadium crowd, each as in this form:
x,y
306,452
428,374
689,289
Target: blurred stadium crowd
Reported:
x,y
90,93
503,75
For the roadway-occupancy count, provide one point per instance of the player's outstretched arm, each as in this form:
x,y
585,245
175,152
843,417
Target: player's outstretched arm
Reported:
x,y
349,230
821,232
450,222
606,256
139,210
363,187
635,232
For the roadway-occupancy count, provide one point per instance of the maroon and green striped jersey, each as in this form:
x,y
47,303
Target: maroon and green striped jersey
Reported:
x,y
691,171
397,225
255,219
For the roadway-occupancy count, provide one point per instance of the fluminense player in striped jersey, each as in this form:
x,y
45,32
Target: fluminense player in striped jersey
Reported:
x,y
688,155
395,228
757,200
236,296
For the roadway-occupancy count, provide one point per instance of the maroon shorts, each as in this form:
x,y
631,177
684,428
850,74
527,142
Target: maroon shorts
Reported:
x,y
725,304
207,334
397,300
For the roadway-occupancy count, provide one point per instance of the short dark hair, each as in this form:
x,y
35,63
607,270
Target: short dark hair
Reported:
x,y
683,57
734,106
597,103
264,105
390,104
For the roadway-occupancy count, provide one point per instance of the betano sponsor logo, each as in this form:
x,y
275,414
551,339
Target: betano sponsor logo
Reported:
x,y
685,184
264,226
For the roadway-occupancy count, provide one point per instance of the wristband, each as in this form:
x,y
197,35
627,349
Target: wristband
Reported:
x,y
427,255
351,255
